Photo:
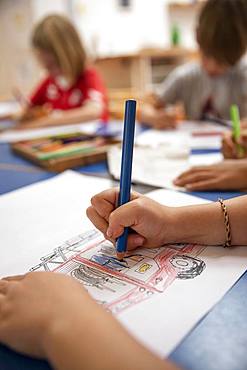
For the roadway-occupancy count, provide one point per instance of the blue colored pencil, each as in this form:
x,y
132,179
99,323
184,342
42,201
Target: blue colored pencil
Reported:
x,y
126,168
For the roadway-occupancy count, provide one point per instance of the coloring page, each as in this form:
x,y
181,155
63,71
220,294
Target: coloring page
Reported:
x,y
120,284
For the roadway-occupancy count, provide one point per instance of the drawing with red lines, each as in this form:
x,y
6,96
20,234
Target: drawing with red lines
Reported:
x,y
120,284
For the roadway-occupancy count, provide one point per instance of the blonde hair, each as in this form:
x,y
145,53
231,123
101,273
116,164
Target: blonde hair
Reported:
x,y
56,34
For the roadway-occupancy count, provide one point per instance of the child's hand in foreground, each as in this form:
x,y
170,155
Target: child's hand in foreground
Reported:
x,y
35,306
49,315
151,222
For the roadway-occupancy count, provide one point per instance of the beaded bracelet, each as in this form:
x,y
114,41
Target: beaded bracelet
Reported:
x,y
227,224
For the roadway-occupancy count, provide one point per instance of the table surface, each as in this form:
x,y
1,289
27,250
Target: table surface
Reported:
x,y
218,341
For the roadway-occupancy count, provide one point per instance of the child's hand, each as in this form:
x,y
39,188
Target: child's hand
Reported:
x,y
163,119
229,146
151,222
34,113
33,306
160,118
227,175
49,315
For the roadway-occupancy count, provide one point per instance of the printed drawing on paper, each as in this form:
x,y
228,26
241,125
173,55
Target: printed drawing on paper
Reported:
x,y
121,284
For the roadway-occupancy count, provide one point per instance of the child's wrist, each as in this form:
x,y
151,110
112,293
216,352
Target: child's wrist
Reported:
x,y
179,225
54,334
66,324
173,227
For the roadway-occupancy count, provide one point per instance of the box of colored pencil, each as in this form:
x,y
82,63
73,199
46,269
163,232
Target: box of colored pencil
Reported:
x,y
57,153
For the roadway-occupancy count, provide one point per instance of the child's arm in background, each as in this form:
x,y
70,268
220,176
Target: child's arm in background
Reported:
x,y
165,108
39,112
230,174
155,225
159,116
51,316
88,112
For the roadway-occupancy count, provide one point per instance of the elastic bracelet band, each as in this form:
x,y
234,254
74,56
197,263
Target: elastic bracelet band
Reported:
x,y
227,224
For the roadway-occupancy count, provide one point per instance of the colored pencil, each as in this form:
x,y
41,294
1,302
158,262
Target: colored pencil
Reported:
x,y
126,168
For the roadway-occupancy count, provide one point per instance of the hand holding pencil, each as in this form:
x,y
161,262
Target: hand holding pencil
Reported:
x,y
31,114
234,143
150,223
115,222
28,113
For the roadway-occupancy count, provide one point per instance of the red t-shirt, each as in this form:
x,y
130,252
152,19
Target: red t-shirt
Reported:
x,y
89,86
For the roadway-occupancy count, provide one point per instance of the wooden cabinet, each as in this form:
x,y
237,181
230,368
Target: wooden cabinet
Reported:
x,y
134,75
142,71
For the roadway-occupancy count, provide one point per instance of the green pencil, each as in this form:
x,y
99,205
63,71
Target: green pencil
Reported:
x,y
66,152
236,129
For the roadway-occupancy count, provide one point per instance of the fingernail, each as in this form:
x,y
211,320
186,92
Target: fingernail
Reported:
x,y
139,241
109,232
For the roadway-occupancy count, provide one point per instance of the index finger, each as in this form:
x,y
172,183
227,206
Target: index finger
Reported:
x,y
14,278
106,201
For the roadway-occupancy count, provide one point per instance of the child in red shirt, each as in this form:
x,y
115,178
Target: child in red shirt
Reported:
x,y
72,91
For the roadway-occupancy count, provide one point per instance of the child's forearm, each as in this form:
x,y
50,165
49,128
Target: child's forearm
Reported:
x,y
98,342
205,223
89,112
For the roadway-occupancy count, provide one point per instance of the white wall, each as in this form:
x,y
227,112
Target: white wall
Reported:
x,y
41,8
109,29
105,27
16,64
113,30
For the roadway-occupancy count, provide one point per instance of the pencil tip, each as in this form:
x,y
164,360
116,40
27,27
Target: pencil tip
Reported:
x,y
120,256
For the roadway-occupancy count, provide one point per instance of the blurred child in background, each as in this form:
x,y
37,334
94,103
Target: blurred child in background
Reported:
x,y
72,91
207,88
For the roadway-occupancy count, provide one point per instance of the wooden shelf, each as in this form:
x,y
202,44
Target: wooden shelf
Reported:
x,y
176,5
139,71
174,52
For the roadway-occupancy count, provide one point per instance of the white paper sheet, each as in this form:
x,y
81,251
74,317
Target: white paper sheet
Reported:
x,y
161,156
158,166
202,127
206,142
205,159
12,136
173,198
38,218
195,135
167,138
8,107
162,322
